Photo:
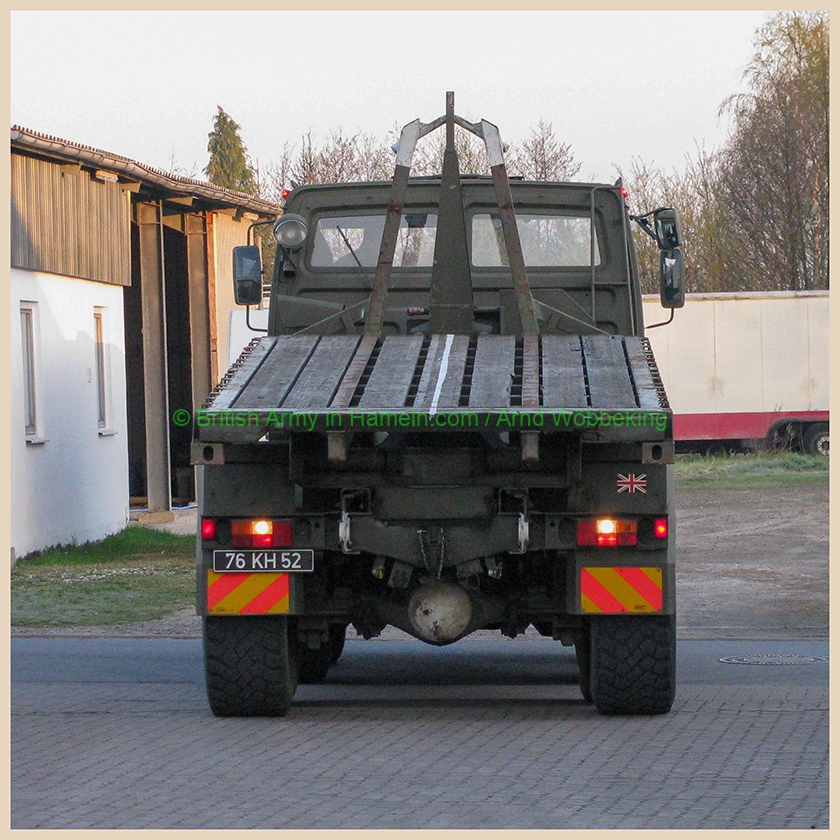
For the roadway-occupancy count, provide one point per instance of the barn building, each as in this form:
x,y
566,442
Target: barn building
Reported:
x,y
121,291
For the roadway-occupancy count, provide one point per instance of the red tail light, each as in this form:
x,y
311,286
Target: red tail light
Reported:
x,y
208,529
606,532
660,529
261,533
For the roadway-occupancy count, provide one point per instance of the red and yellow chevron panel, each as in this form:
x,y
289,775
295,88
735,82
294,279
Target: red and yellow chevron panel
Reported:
x,y
620,589
247,593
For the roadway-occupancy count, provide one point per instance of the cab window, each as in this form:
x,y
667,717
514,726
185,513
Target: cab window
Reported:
x,y
555,241
415,241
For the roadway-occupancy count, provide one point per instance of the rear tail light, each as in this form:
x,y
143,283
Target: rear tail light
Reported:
x,y
208,529
261,533
606,532
660,529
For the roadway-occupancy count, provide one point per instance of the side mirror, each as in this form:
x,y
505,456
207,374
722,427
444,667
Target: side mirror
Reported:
x,y
247,275
667,223
671,279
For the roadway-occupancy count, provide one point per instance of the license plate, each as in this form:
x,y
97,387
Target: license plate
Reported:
x,y
269,560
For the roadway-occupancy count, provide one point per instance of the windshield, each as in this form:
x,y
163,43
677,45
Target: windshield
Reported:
x,y
547,240
415,241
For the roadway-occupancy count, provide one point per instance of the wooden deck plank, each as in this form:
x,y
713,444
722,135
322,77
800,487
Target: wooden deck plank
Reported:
x,y
347,387
228,392
277,373
606,370
562,372
493,371
646,389
323,373
443,373
390,379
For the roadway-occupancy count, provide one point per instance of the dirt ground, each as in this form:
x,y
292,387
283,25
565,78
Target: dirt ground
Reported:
x,y
752,563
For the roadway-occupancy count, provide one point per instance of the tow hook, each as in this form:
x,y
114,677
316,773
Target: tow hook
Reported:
x,y
523,533
344,534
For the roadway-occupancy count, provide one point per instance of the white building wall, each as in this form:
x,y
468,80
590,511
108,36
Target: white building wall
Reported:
x,y
70,479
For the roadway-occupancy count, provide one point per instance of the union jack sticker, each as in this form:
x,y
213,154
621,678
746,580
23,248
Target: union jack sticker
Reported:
x,y
631,483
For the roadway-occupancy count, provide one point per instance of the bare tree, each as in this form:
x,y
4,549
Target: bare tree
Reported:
x,y
774,170
647,188
542,157
277,176
182,172
472,155
306,167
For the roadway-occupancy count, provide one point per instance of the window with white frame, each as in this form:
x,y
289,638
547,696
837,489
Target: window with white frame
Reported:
x,y
30,401
99,347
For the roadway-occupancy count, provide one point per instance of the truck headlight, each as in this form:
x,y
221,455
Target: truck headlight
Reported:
x,y
290,231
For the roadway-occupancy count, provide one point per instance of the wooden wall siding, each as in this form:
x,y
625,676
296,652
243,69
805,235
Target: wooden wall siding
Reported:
x,y
229,233
69,224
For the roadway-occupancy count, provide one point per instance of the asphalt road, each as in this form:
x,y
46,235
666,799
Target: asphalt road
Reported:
x,y
116,733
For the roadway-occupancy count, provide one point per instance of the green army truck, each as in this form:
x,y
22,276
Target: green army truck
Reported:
x,y
453,423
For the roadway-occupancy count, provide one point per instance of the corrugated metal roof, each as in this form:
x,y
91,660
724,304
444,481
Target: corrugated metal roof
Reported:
x,y
133,170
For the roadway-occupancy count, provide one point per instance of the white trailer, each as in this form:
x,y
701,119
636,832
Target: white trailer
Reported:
x,y
745,369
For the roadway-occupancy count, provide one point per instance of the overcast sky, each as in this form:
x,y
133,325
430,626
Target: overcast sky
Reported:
x,y
145,85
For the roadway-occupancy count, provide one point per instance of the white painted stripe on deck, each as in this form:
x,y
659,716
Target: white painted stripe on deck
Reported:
x,y
444,364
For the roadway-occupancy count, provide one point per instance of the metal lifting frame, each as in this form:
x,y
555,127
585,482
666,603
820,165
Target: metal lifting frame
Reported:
x,y
404,148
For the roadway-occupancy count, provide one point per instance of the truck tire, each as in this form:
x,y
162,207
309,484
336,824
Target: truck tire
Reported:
x,y
815,439
583,654
250,668
338,634
634,663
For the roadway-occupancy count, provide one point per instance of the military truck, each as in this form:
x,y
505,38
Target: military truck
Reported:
x,y
453,423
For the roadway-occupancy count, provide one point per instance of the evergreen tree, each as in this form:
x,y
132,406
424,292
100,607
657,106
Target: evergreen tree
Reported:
x,y
229,166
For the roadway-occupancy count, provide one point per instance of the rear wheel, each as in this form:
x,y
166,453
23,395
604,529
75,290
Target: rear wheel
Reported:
x,y
338,634
634,662
583,653
250,667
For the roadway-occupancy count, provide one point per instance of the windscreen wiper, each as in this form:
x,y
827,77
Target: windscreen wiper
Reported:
x,y
353,254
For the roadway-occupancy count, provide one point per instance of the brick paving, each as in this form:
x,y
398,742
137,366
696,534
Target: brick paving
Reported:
x,y
388,753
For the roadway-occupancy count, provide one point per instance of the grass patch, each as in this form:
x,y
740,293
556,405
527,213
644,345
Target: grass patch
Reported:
x,y
139,574
751,468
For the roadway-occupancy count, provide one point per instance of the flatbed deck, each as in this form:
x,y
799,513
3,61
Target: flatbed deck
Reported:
x,y
318,383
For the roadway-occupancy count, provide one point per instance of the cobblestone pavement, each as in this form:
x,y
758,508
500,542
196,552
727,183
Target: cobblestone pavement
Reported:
x,y
116,734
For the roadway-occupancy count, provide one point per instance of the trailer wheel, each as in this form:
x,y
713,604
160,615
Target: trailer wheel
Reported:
x,y
815,439
250,667
633,664
583,654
